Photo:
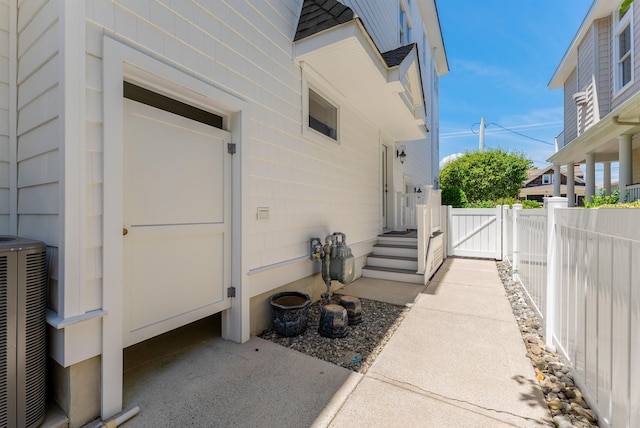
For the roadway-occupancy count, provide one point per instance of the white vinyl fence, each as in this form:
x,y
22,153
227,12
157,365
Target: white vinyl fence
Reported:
x,y
475,232
581,269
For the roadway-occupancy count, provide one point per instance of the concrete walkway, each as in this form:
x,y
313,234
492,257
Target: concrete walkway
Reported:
x,y
457,360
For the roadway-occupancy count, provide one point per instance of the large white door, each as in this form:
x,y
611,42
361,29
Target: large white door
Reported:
x,y
177,221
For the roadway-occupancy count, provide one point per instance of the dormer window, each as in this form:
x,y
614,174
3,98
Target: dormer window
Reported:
x,y
623,47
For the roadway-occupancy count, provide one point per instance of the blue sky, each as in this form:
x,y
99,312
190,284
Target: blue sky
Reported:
x,y
502,55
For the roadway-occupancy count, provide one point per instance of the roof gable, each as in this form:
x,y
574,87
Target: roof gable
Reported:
x,y
319,15
396,56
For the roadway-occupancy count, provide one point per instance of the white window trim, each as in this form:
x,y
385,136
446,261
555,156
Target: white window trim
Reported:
x,y
311,80
405,26
547,178
618,27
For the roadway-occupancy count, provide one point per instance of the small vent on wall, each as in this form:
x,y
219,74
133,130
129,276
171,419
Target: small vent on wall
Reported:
x,y
580,98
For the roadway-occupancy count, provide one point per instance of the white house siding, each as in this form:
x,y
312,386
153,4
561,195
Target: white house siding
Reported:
x,y
381,20
311,187
570,111
603,65
586,80
4,117
38,125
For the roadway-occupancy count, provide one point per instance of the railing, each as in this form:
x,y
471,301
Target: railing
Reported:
x,y
579,268
407,212
633,193
429,222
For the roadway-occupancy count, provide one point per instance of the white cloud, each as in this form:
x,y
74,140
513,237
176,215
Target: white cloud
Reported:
x,y
449,158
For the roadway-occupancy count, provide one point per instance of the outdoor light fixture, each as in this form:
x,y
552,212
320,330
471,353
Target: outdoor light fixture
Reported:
x,y
400,153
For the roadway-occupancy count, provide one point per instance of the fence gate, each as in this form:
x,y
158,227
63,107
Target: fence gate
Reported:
x,y
475,232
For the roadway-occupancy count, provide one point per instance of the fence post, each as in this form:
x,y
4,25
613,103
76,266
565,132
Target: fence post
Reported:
x,y
551,204
444,227
514,242
498,232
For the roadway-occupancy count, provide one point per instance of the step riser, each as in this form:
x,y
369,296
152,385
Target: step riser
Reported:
x,y
397,241
392,263
395,251
393,276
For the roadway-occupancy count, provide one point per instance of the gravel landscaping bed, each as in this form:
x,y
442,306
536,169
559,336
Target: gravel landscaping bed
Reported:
x,y
362,345
566,403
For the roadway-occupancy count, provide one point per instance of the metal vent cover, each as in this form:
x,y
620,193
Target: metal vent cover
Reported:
x,y
23,293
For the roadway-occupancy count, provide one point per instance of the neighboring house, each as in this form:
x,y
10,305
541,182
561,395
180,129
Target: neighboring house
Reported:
x,y
599,75
177,156
541,183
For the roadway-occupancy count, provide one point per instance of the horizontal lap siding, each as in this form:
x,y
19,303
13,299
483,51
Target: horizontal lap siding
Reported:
x,y
38,147
4,117
570,111
381,20
310,187
604,81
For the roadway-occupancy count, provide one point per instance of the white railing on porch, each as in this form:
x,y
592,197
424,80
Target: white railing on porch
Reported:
x,y
407,211
428,222
633,193
589,298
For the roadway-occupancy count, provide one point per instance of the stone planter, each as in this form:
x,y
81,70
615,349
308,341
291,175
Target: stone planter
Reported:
x,y
290,310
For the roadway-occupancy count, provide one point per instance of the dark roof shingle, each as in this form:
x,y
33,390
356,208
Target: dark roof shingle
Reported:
x,y
319,15
396,56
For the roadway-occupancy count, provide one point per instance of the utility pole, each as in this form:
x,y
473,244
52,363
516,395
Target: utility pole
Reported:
x,y
481,147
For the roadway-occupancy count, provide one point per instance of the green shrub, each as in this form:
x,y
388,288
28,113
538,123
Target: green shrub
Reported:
x,y
453,196
481,204
530,204
602,199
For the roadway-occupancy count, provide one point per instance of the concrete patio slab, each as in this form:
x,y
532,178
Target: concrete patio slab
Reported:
x,y
220,383
396,293
402,405
456,360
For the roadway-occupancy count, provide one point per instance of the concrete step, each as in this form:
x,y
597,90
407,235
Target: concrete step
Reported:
x,y
395,262
400,275
397,240
395,250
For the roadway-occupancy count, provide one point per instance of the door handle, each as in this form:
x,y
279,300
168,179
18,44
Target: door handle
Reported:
x,y
124,231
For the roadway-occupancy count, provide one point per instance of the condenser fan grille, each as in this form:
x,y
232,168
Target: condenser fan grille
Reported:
x,y
23,299
4,363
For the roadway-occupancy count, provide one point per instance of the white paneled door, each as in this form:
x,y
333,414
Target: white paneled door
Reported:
x,y
177,225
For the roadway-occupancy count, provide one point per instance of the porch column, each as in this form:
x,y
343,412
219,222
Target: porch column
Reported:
x,y
590,189
626,167
607,178
571,185
556,179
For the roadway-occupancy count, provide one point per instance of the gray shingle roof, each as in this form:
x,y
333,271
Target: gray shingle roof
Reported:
x,y
319,15
396,56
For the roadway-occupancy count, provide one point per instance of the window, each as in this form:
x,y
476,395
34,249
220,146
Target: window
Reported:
x,y
323,116
623,49
404,26
547,179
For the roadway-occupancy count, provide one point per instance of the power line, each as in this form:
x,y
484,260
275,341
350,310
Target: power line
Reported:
x,y
515,132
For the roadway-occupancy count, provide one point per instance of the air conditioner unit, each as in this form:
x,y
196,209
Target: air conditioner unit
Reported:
x,y
23,299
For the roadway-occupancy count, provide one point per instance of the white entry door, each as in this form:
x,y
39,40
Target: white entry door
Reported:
x,y
177,221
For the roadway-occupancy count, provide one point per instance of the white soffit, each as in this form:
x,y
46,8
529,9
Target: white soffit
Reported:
x,y
346,58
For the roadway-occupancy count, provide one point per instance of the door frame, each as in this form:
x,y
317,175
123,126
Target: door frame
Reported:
x,y
384,187
122,62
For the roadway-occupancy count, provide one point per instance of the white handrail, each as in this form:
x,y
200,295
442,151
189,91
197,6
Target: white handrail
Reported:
x,y
428,222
